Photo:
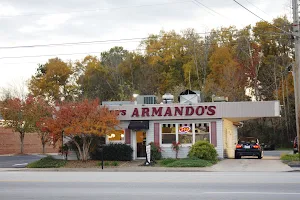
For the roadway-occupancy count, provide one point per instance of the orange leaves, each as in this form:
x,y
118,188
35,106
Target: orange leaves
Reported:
x,y
80,118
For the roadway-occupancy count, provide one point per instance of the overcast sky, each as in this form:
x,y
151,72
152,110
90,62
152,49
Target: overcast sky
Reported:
x,y
33,22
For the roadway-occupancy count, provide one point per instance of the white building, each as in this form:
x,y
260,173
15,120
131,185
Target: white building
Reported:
x,y
216,122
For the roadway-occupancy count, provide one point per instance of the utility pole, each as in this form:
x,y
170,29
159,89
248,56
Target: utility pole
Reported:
x,y
296,66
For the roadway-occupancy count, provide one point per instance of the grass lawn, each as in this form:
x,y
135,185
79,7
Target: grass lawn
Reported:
x,y
185,162
293,160
50,162
47,162
290,157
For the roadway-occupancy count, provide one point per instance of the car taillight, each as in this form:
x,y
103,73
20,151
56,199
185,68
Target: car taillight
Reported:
x,y
256,146
239,146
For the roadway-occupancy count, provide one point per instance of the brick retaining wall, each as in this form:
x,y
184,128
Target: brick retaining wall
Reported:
x,y
10,143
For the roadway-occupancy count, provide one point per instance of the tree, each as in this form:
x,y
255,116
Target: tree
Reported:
x,y
83,120
226,77
42,111
95,80
52,81
19,115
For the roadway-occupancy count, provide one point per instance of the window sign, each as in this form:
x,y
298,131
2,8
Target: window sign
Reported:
x,y
184,129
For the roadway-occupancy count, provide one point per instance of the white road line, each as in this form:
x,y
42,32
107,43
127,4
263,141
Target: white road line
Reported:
x,y
271,193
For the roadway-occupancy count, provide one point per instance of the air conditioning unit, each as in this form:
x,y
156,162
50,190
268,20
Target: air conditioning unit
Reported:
x,y
146,99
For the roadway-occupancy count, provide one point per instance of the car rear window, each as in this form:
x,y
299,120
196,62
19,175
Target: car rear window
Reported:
x,y
247,141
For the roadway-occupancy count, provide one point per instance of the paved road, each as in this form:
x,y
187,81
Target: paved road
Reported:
x,y
17,161
149,185
277,153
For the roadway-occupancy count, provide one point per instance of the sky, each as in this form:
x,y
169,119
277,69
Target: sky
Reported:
x,y
38,22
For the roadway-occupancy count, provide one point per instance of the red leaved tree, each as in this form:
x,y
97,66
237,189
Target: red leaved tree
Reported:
x,y
19,115
42,111
83,120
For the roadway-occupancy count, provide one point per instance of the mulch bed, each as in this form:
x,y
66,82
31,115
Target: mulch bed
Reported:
x,y
292,163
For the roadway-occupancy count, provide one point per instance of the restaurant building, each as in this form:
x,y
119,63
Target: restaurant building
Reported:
x,y
187,123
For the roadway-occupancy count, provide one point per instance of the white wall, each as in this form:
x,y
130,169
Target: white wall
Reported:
x,y
167,151
150,133
220,144
229,138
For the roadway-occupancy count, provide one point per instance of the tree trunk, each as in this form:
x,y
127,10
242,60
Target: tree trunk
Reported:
x,y
43,142
86,147
22,135
44,151
78,148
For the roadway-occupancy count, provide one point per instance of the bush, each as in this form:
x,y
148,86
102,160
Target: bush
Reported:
x,y
115,163
203,150
47,162
113,152
155,152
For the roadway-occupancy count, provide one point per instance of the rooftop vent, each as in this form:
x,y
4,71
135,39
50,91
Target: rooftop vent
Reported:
x,y
168,98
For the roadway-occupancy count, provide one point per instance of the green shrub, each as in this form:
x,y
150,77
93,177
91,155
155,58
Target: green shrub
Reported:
x,y
203,150
114,151
115,163
190,163
47,162
290,157
106,163
155,152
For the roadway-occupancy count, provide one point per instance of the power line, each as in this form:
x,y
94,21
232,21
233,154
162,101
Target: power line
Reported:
x,y
258,8
123,40
263,19
98,52
199,3
93,10
73,43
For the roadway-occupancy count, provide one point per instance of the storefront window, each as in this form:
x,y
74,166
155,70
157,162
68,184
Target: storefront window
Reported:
x,y
185,133
202,132
168,133
116,136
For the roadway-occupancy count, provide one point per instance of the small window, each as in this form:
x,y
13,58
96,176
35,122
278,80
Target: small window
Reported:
x,y
202,132
168,133
185,133
116,136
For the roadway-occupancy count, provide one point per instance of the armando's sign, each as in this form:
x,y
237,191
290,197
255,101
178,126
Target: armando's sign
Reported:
x,y
170,111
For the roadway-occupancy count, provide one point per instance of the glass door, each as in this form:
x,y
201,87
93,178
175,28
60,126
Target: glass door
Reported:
x,y
141,144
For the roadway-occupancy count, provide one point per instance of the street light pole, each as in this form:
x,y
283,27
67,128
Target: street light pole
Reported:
x,y
296,67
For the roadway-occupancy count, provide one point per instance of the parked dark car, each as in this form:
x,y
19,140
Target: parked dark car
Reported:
x,y
295,145
248,146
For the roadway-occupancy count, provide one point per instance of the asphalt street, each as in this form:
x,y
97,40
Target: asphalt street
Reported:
x,y
17,161
277,153
149,185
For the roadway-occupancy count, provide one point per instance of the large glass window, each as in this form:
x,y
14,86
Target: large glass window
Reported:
x,y
202,132
168,133
185,133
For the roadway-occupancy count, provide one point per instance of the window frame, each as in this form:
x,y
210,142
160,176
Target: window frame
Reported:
x,y
177,132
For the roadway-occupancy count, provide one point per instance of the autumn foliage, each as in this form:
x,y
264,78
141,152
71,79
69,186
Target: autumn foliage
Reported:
x,y
82,119
20,115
